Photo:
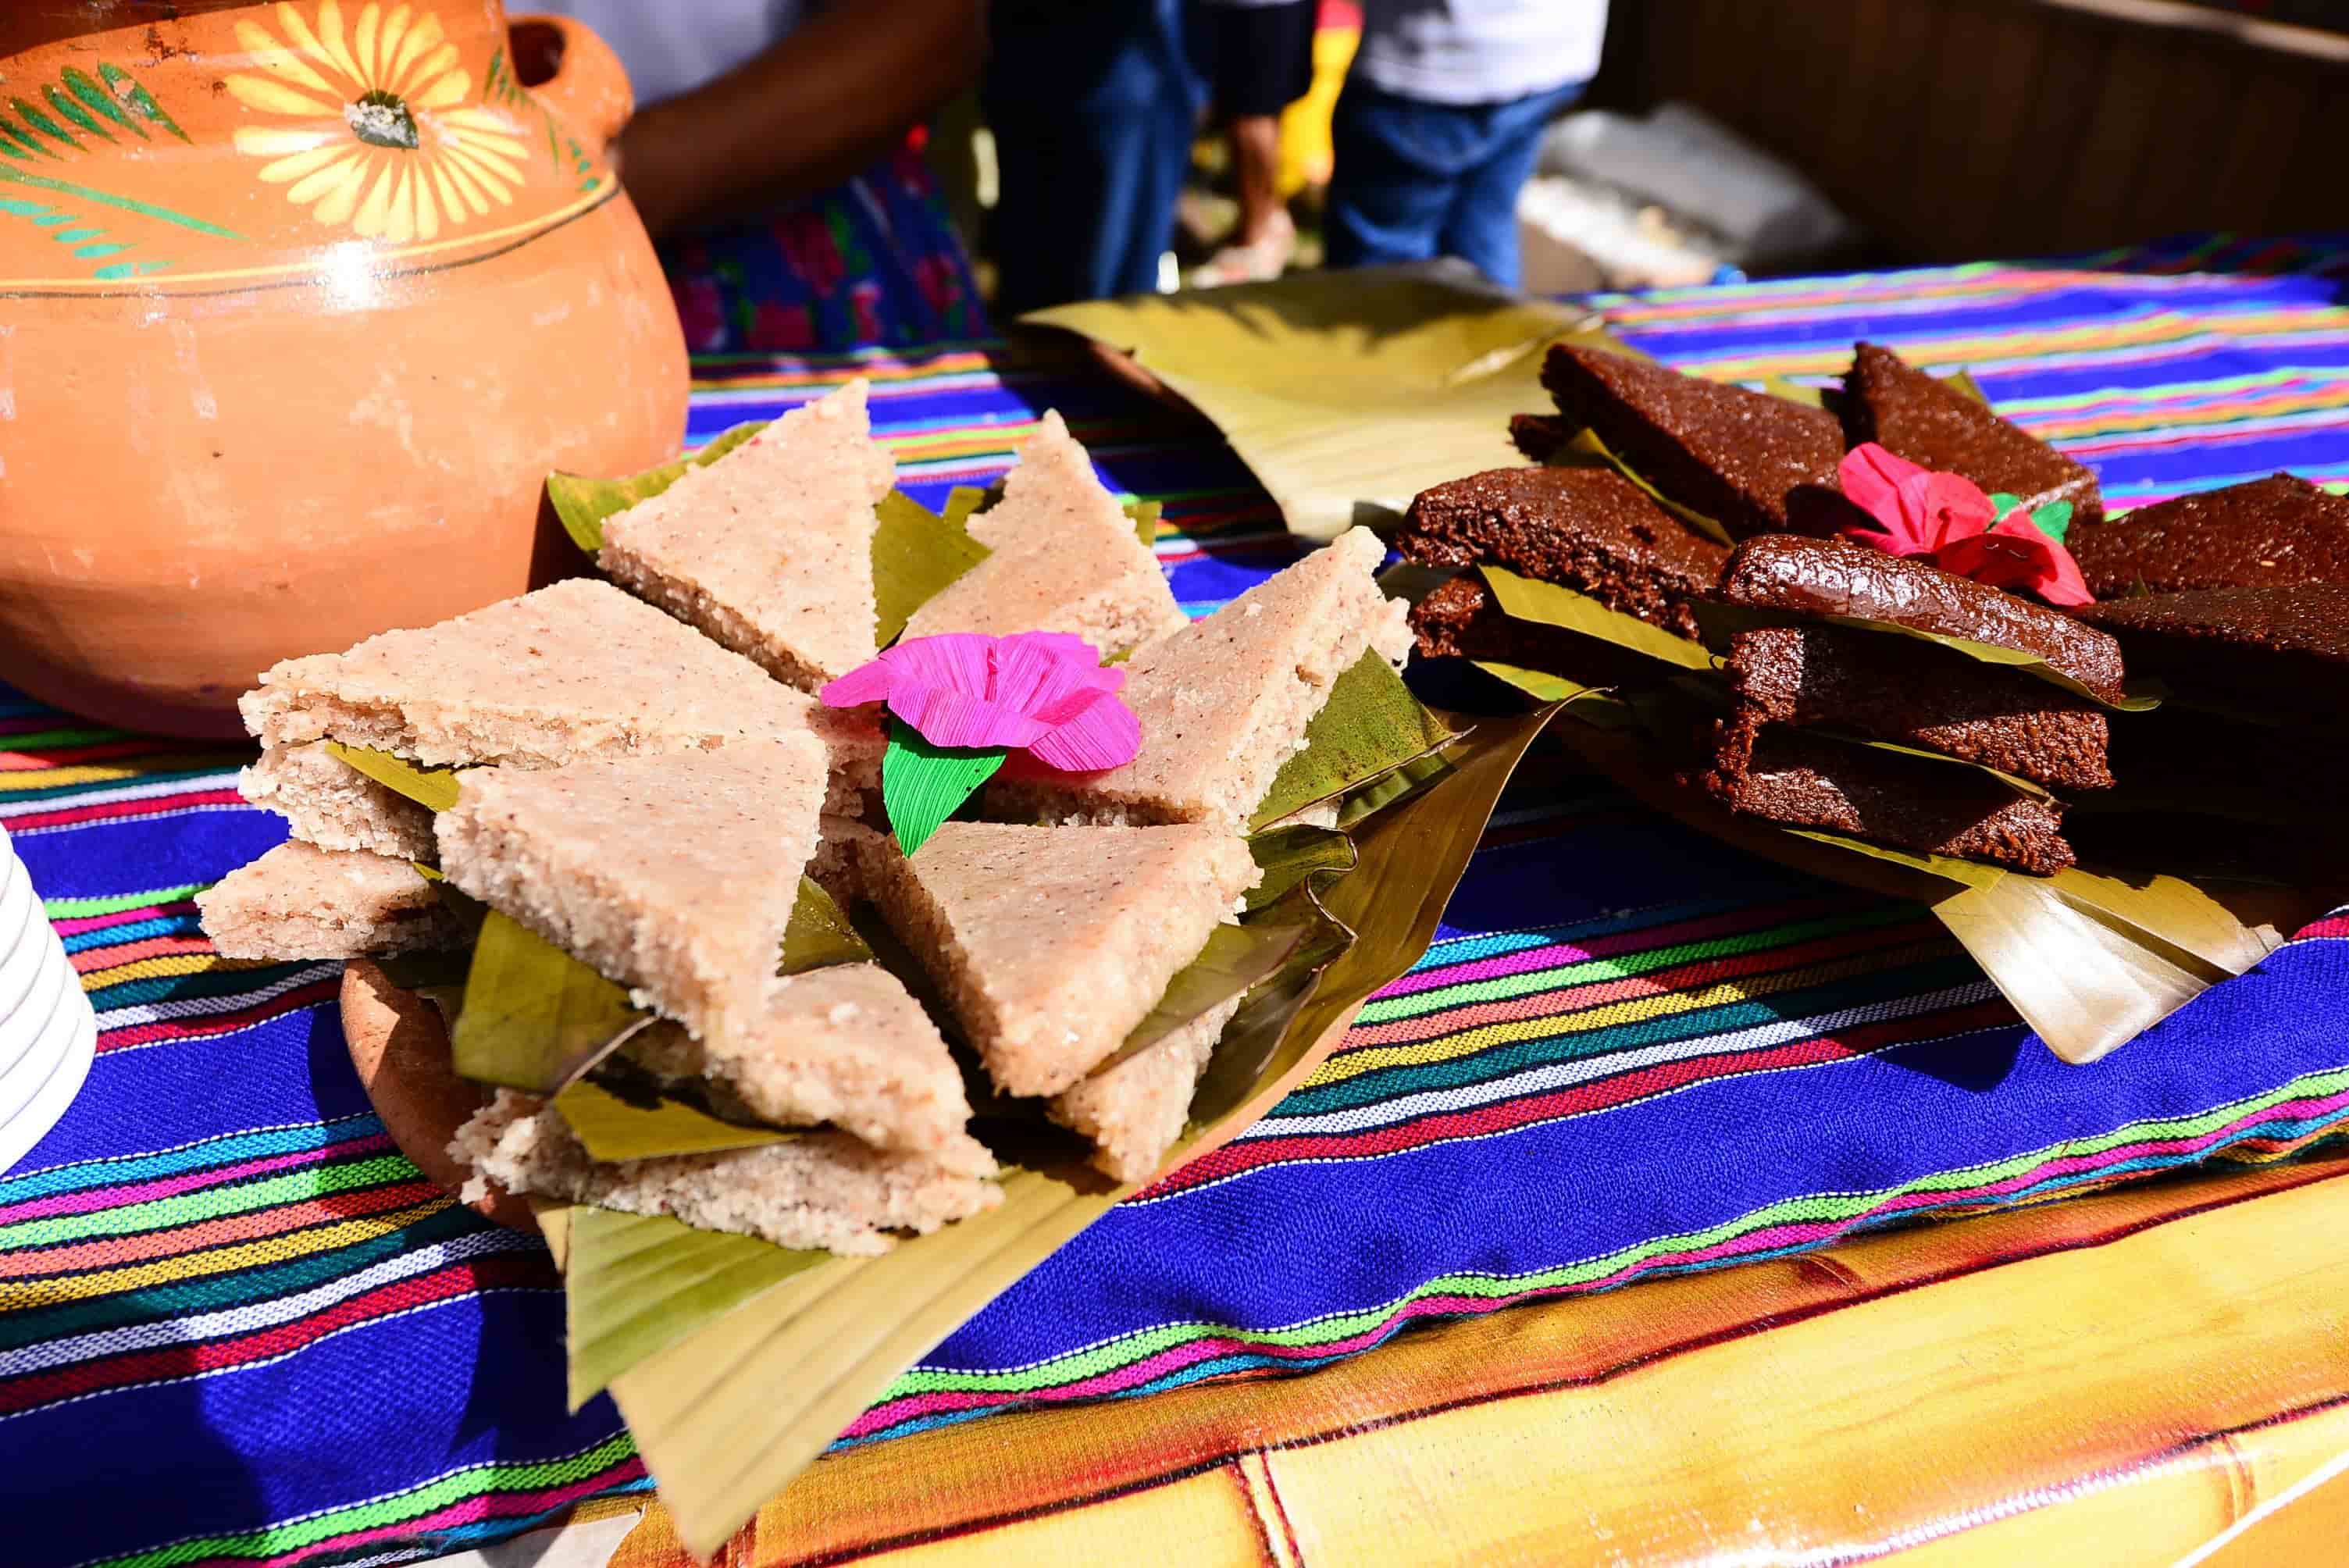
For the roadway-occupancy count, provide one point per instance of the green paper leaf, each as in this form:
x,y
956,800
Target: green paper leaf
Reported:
x,y
921,785
2054,520
1588,450
915,552
535,1018
1553,604
819,935
1288,856
2000,503
585,503
435,788
1722,622
1371,725
634,1284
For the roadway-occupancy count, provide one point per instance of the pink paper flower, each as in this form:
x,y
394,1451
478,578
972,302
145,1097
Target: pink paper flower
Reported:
x,y
1044,693
1946,519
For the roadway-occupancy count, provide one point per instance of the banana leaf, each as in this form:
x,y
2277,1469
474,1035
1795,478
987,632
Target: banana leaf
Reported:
x,y
435,788
1588,450
1311,377
1371,725
2089,960
627,1115
1554,604
1723,622
820,936
915,552
1239,956
1288,856
728,1415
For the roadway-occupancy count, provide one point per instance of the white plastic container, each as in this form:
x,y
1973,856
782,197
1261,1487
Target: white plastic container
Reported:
x,y
47,1031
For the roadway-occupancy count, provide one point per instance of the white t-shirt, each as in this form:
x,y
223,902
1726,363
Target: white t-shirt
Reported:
x,y
1478,51
672,47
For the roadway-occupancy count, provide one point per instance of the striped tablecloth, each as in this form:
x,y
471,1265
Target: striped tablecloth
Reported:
x,y
236,1326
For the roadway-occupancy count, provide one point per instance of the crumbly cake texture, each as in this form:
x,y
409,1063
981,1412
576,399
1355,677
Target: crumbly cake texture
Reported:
x,y
299,901
576,669
1589,529
849,1046
1917,416
1806,781
330,804
769,550
1540,436
1719,451
1837,577
2274,532
1051,944
1065,559
1917,694
838,865
672,875
2279,651
824,1190
1225,701
1136,1110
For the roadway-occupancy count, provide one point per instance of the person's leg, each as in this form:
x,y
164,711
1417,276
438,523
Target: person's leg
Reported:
x,y
1396,166
1482,224
1092,110
1258,60
1256,160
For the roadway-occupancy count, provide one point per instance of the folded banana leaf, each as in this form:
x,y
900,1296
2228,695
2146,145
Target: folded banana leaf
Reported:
x,y
1309,377
1371,725
784,1350
435,788
1554,604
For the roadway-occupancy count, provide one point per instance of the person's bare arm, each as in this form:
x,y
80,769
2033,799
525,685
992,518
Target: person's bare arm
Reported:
x,y
814,110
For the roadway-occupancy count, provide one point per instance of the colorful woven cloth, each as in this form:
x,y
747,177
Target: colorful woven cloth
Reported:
x,y
236,1326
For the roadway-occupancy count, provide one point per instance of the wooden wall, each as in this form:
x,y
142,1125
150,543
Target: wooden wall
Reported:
x,y
1957,128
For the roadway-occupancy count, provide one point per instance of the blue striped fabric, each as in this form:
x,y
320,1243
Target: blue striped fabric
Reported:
x,y
236,1328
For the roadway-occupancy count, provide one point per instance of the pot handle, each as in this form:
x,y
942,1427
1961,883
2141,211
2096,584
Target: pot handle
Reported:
x,y
581,79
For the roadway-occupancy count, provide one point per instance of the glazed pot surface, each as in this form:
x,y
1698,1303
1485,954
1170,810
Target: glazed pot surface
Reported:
x,y
299,305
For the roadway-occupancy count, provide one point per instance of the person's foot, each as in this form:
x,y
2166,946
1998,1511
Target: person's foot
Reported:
x,y
1256,261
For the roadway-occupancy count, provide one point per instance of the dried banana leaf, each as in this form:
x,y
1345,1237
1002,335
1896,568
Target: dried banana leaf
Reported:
x,y
1239,956
1288,856
535,1018
819,934
623,1115
1345,393
725,1417
1723,622
1553,604
1371,725
435,788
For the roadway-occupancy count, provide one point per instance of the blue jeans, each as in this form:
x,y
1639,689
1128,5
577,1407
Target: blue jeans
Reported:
x,y
1093,108
1416,180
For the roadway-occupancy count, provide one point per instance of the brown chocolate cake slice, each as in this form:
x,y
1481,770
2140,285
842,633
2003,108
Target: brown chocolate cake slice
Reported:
x,y
2274,532
1923,418
1589,529
1807,781
2282,652
1719,451
1540,437
1915,694
1822,577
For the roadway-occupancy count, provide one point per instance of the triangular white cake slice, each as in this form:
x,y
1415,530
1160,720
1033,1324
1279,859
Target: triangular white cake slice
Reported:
x,y
672,875
1051,944
769,550
576,669
1065,559
1224,702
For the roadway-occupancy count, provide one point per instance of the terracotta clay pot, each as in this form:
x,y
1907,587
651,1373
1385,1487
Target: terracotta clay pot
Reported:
x,y
299,305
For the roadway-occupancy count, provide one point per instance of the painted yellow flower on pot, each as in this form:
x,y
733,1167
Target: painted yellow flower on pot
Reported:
x,y
373,128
